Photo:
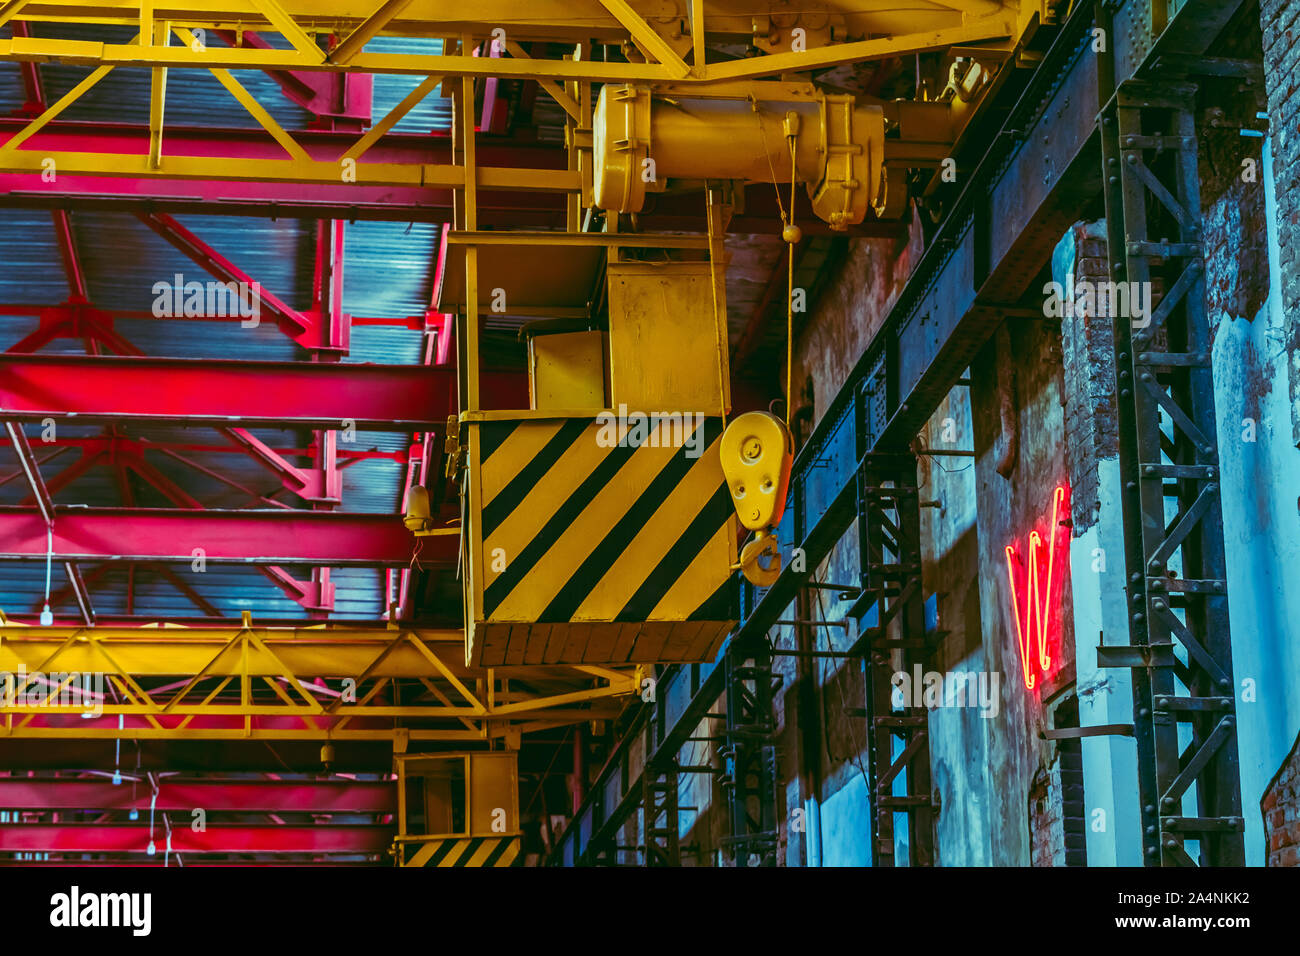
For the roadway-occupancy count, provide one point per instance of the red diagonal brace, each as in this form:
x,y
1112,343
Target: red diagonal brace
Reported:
x,y
293,323
35,104
316,595
309,485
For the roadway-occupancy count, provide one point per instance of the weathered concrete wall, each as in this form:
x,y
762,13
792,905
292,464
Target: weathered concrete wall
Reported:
x,y
960,768
1105,695
1261,487
1016,398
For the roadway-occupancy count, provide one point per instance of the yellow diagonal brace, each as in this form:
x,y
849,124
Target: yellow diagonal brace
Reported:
x,y
550,86
391,119
445,701
207,700
370,695
447,674
193,681
52,112
365,674
255,109
44,666
157,87
124,685
11,9
644,34
307,720
285,672
289,29
364,33
541,703
627,679
116,669
986,28
58,689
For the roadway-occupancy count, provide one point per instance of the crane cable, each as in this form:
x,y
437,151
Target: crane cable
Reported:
x,y
790,234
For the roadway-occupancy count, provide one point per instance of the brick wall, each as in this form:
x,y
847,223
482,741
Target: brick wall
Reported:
x,y
1280,22
1046,823
1281,809
1057,815
1088,359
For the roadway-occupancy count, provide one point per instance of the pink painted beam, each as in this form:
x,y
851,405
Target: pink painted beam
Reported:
x,y
234,393
177,536
269,796
100,442
333,325
309,200
216,838
76,275
35,103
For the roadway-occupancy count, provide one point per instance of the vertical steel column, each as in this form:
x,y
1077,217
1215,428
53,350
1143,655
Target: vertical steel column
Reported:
x,y
1179,639
750,758
889,532
659,804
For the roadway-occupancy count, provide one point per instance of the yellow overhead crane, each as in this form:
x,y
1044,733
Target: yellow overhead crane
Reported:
x,y
601,524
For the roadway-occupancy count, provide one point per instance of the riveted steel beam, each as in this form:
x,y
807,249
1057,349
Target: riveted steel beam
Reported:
x,y
283,683
183,536
230,393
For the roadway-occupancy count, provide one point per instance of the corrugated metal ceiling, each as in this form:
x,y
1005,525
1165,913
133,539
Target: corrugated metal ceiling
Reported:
x,y
388,273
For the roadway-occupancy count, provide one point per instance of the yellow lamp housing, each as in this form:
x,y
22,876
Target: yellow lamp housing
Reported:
x,y
418,516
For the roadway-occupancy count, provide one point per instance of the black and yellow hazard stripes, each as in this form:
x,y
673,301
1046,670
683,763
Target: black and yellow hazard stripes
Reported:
x,y
579,523
461,851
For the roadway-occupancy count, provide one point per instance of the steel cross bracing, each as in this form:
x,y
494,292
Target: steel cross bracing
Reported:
x,y
660,817
995,240
326,683
889,539
1179,645
749,780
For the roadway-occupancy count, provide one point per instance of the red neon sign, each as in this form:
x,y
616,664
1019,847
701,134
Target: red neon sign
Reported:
x,y
1035,597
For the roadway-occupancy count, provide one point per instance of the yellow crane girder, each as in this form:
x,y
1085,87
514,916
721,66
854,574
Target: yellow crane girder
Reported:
x,y
796,36
283,683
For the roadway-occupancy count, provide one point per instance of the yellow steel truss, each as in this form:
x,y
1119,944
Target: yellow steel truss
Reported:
x,y
173,36
662,39
286,683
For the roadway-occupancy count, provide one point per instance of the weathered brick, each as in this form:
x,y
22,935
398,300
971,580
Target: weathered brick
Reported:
x,y
1280,806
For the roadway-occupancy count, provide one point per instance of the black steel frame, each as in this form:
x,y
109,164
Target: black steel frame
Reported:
x,y
1179,635
889,535
1042,169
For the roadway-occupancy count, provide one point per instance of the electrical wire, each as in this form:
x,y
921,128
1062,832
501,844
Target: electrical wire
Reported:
x,y
47,617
